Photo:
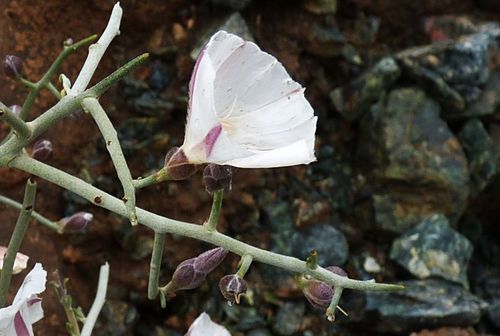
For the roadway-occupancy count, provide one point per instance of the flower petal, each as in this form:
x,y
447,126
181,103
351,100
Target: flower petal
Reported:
x,y
20,263
204,326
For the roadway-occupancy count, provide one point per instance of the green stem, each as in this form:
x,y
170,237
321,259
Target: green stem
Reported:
x,y
39,218
211,223
244,265
16,239
116,153
53,90
30,85
166,225
155,266
330,311
68,104
17,124
154,178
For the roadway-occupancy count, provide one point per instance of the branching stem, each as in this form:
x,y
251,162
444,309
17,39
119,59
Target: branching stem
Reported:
x,y
211,223
155,266
39,218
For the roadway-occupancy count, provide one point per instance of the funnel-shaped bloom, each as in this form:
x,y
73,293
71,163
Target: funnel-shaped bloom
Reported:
x,y
26,309
245,110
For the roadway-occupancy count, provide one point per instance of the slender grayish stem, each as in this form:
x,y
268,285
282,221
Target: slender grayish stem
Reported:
x,y
39,218
162,224
17,124
155,266
330,311
143,182
115,151
245,262
53,90
211,223
99,300
16,239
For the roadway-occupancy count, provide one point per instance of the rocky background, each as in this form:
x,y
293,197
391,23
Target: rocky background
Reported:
x,y
406,187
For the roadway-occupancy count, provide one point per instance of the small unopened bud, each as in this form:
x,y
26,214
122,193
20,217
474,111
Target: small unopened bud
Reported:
x,y
13,66
209,260
77,222
186,276
318,293
232,287
217,177
42,149
69,41
177,165
16,109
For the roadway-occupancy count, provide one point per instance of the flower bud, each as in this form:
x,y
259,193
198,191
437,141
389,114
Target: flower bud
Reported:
x,y
217,177
186,276
209,260
69,41
42,149
77,222
232,287
177,165
318,293
13,66
16,109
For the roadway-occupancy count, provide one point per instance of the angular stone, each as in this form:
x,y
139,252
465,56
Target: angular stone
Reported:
x,y
329,242
433,249
422,304
488,101
355,99
482,154
408,152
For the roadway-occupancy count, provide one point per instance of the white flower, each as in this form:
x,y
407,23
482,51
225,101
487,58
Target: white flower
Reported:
x,y
245,110
17,319
204,326
20,263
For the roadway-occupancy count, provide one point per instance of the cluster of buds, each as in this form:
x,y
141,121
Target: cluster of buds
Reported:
x,y
192,272
318,293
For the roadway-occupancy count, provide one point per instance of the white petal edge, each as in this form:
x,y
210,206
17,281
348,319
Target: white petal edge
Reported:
x,y
204,326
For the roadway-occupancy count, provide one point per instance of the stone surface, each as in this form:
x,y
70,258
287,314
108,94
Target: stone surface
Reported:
x,y
355,99
329,242
433,249
482,154
411,156
289,318
423,304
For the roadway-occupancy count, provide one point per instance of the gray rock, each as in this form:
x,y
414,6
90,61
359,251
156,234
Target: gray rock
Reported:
x,y
408,152
481,154
489,100
422,304
289,318
432,248
355,99
329,242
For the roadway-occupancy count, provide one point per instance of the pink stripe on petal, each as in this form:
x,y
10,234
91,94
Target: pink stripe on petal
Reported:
x,y
211,138
20,325
33,301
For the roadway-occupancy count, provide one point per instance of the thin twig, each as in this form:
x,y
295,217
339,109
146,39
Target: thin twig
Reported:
x,y
16,239
244,265
115,151
167,225
16,123
97,50
39,218
99,300
155,266
211,223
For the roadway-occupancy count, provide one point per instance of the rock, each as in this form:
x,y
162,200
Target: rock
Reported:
x,y
235,23
329,242
489,289
409,154
433,249
355,99
260,332
488,101
321,6
481,153
144,100
422,304
289,318
236,5
246,318
120,318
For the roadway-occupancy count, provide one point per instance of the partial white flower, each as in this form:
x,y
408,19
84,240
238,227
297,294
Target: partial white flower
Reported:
x,y
204,326
245,110
20,263
17,319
